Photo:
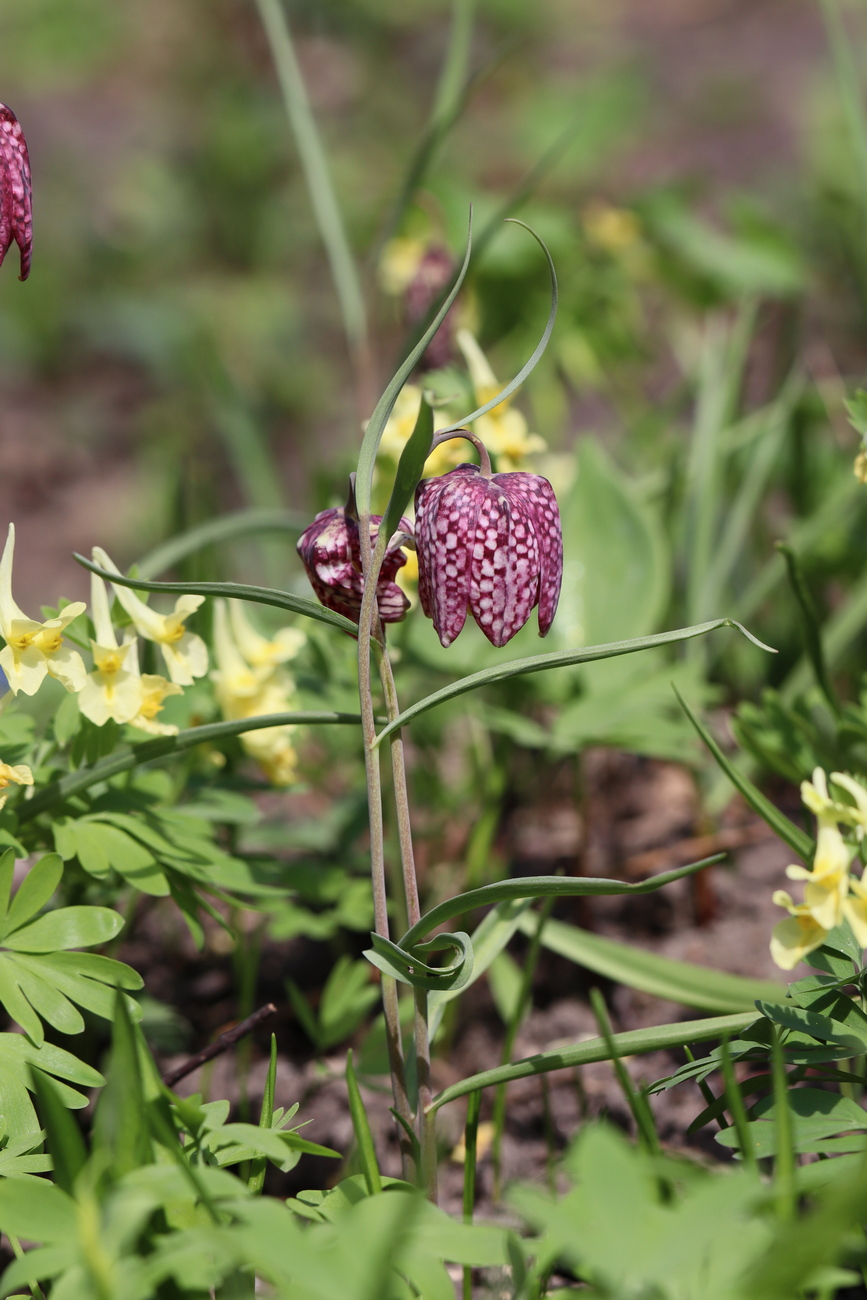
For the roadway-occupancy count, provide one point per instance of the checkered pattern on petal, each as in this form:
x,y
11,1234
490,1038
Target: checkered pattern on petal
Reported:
x,y
505,564
540,504
446,512
16,212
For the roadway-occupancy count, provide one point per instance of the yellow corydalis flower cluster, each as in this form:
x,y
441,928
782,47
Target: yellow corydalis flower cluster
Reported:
x,y
831,893
251,681
35,650
20,774
117,689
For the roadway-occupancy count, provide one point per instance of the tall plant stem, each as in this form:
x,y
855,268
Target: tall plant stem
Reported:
x,y
371,564
426,1120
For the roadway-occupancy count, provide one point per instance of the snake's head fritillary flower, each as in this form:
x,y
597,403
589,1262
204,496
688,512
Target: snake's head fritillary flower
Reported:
x,y
16,213
490,546
331,553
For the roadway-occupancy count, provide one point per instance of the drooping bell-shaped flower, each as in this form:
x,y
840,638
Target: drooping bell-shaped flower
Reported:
x,y
491,546
16,213
330,551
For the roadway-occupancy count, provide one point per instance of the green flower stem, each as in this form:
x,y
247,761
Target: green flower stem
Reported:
x,y
371,563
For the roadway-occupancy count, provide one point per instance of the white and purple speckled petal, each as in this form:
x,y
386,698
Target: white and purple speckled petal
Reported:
x,y
446,513
330,551
505,566
541,506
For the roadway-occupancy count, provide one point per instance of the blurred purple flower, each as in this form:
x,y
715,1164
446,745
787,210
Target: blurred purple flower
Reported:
x,y
492,546
331,553
433,274
16,213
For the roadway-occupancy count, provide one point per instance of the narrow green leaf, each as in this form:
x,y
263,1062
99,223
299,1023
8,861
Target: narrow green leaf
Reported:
x,y
788,832
489,939
46,999
636,1102
160,750
662,977
409,967
735,1103
528,887
410,467
559,659
65,1143
120,1130
823,1028
784,1166
17,1004
810,630
7,873
256,1181
529,366
37,887
379,419
231,590
361,1127
630,1043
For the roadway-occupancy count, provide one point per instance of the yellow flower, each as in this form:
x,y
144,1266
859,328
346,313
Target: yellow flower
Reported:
x,y
249,692
154,690
407,576
399,427
855,911
185,654
856,815
18,775
260,651
503,430
610,228
859,469
34,650
799,935
398,264
113,689
827,885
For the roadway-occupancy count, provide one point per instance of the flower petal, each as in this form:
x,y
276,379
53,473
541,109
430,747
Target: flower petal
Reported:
x,y
16,215
447,510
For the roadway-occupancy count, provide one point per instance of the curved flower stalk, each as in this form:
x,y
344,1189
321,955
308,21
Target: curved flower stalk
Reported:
x,y
401,422
330,551
116,689
831,894
16,211
34,650
248,690
185,653
489,545
503,430
19,774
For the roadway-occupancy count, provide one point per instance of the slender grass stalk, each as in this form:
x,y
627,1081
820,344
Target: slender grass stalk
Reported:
x,y
636,1101
784,1164
18,1251
317,174
736,1107
515,1021
471,1133
850,92
706,1092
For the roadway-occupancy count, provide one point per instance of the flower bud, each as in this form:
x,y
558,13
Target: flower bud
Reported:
x,y
331,553
16,214
492,546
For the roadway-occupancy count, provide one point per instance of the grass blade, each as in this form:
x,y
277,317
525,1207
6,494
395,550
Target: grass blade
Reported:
x,y
361,1127
788,832
810,629
629,1043
558,659
316,173
232,590
256,1182
784,1164
736,1106
636,1101
471,1132
162,749
662,977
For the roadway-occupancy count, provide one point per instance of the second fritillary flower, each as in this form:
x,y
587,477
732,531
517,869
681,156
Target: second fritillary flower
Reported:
x,y
16,214
488,546
330,551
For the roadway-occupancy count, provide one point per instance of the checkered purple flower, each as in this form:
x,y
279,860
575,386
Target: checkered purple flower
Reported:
x,y
16,213
490,546
331,553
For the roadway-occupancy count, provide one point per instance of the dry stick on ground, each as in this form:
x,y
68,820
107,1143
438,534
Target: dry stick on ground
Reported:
x,y
220,1045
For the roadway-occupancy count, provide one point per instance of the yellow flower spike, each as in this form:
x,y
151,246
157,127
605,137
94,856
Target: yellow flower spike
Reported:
x,y
113,689
154,691
857,814
503,430
35,650
827,885
260,651
235,681
18,775
814,794
185,654
795,937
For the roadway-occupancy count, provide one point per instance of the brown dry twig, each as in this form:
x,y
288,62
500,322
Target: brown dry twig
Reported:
x,y
220,1045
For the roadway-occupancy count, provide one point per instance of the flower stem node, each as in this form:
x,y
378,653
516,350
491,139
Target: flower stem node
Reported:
x,y
331,553
16,213
33,650
490,546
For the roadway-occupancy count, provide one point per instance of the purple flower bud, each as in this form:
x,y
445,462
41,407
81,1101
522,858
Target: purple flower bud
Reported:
x,y
331,553
16,214
433,274
491,546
